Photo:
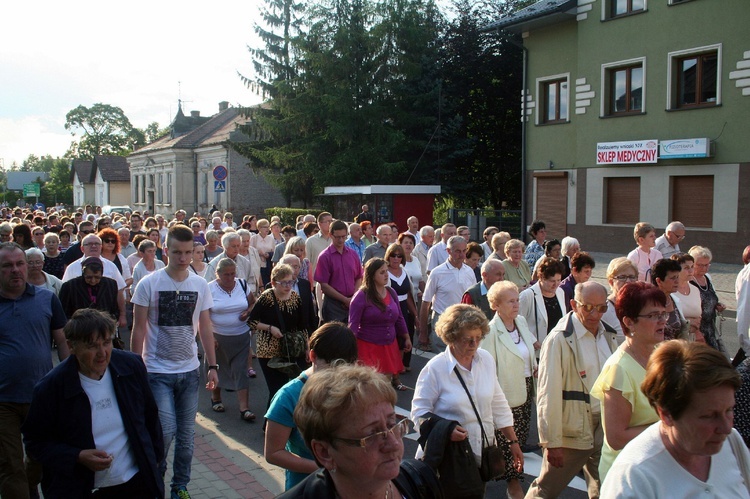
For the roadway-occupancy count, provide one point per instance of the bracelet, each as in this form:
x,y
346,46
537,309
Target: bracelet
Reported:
x,y
216,368
514,442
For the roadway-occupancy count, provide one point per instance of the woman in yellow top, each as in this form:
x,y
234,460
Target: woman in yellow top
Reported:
x,y
511,344
626,412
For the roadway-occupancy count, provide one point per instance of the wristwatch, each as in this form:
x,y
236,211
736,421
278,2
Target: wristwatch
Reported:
x,y
213,367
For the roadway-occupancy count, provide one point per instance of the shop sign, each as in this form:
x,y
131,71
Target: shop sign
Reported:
x,y
684,148
631,152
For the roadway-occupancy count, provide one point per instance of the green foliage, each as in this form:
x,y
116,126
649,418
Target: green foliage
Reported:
x,y
104,129
360,104
58,188
288,216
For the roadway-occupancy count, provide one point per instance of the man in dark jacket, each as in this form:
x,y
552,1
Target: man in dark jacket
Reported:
x,y
93,422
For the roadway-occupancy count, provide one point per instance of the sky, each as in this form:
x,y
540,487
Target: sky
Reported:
x,y
140,56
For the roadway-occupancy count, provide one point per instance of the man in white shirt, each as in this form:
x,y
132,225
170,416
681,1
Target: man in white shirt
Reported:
x,y
568,417
232,242
424,243
445,287
171,306
669,243
487,244
305,219
437,254
413,226
127,247
315,245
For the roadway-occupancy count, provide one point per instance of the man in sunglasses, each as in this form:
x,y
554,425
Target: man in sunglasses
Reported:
x,y
569,419
74,252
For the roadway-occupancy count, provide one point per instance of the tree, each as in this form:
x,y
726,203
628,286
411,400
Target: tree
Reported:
x,y
104,129
58,188
361,102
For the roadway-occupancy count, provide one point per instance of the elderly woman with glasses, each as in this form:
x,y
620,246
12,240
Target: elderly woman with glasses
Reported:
x,y
619,272
37,276
275,314
376,318
665,275
460,384
347,417
626,411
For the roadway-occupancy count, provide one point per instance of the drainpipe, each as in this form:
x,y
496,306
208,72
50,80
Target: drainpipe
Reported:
x,y
195,182
525,71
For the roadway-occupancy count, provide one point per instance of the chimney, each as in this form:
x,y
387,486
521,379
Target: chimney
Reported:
x,y
195,114
223,106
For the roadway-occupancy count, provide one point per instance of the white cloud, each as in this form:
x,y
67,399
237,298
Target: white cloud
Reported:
x,y
55,56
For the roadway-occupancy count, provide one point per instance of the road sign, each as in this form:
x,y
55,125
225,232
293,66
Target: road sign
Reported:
x,y
220,186
220,172
31,190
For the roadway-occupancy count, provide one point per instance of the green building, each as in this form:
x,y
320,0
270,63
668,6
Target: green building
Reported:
x,y
637,110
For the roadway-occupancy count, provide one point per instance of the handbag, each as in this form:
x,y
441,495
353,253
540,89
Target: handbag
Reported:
x,y
493,462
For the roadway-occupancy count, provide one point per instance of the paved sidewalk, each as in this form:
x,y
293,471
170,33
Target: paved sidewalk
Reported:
x,y
225,469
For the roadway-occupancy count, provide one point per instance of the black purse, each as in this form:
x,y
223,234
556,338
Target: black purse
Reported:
x,y
493,462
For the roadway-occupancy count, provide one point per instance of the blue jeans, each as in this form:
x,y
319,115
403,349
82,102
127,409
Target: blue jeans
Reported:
x,y
177,398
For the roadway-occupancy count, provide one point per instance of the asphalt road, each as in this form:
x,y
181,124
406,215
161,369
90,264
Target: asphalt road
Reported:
x,y
251,435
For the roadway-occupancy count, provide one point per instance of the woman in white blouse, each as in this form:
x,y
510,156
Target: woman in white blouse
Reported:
x,y
689,296
441,392
263,242
512,346
414,269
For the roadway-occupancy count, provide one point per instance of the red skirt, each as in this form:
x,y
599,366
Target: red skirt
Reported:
x,y
385,358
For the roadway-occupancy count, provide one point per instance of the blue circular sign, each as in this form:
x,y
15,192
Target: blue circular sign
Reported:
x,y
220,172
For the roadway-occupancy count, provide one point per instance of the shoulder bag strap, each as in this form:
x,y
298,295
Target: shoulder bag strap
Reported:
x,y
282,325
479,418
736,443
536,315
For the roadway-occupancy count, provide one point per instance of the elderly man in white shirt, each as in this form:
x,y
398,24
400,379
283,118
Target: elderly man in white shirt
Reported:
x,y
232,242
668,243
445,287
437,254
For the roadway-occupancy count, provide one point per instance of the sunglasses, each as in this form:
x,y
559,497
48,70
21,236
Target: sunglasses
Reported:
x,y
110,241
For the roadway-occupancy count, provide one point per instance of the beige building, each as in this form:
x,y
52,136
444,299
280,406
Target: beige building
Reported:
x,y
177,170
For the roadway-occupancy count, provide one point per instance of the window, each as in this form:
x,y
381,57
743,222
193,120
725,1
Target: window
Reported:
x,y
160,189
623,82
623,7
693,200
169,188
623,203
554,100
694,78
143,189
696,82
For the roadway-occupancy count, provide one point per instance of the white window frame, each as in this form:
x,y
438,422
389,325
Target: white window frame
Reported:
x,y
677,54
606,68
169,188
541,97
607,8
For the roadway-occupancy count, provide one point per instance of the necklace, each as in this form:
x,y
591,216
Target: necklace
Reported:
x,y
642,362
224,289
702,287
174,283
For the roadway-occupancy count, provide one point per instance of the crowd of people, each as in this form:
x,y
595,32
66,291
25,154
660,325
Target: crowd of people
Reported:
x,y
331,312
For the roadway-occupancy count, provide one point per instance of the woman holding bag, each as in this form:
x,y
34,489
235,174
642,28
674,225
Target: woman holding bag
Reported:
x,y
277,314
460,384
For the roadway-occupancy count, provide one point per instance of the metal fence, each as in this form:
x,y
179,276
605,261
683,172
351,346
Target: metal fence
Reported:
x,y
477,220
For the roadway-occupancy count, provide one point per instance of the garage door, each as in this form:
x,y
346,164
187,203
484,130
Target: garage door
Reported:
x,y
552,202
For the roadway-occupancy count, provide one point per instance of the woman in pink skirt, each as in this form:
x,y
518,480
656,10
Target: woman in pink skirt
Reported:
x,y
376,319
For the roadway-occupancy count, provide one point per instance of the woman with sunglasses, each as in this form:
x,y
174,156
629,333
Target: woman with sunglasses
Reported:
x,y
111,251
626,411
401,284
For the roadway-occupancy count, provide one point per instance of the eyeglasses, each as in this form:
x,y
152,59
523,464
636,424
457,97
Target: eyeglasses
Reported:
x,y
286,284
377,439
470,341
35,263
396,255
92,244
110,241
588,308
625,278
656,316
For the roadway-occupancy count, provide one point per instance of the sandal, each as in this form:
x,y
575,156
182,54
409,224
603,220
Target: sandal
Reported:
x,y
425,347
247,416
251,372
217,406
